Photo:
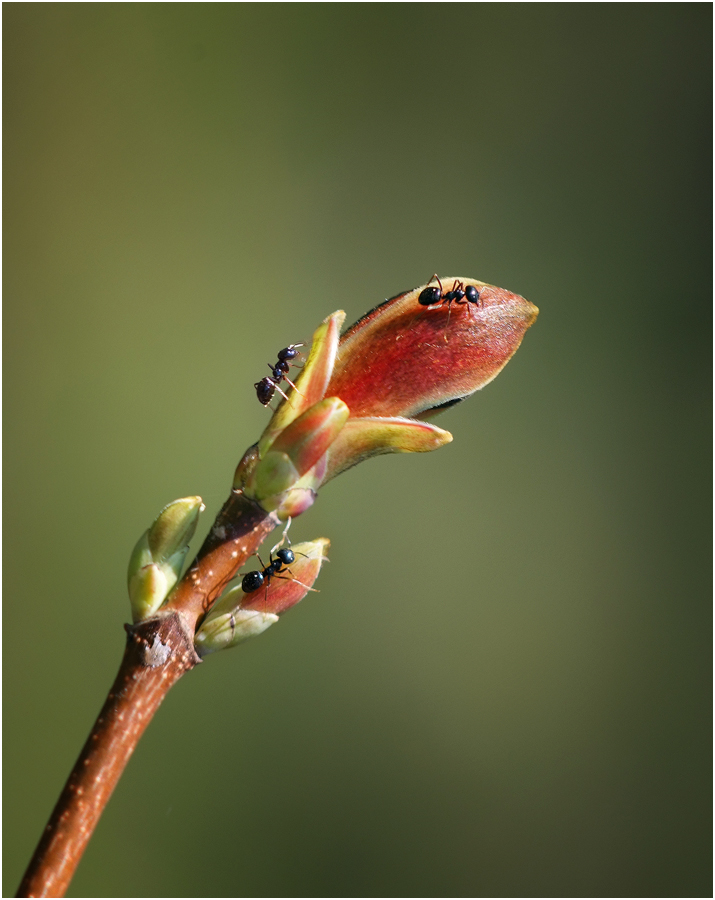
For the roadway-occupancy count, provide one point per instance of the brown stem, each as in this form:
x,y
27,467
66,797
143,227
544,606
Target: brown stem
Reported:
x,y
236,534
158,652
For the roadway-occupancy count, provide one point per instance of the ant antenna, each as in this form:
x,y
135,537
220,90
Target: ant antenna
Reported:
x,y
438,281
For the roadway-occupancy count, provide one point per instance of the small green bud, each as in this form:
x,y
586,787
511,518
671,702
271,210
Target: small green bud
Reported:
x,y
275,474
147,589
158,557
230,629
174,527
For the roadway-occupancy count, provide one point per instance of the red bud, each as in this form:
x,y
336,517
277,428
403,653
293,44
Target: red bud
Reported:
x,y
406,359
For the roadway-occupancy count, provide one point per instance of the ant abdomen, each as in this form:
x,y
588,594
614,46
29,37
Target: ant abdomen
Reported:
x,y
430,296
252,581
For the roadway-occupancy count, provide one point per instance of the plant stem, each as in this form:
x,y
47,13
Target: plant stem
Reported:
x,y
158,652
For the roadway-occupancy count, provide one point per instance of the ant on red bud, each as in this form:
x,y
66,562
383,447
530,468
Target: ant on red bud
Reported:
x,y
266,387
460,294
254,581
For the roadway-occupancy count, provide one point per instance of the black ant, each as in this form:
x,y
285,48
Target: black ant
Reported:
x,y
266,387
254,581
431,296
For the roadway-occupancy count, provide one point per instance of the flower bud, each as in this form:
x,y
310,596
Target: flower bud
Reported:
x,y
147,589
239,614
295,451
406,359
158,556
403,362
231,629
174,527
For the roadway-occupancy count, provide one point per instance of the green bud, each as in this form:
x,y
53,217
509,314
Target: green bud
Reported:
x,y
275,474
296,450
174,527
147,589
230,629
158,557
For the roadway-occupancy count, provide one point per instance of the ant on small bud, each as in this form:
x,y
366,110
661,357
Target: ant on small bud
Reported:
x,y
266,387
460,294
254,581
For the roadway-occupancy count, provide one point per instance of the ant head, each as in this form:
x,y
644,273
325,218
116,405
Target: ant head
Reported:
x,y
286,556
471,293
289,352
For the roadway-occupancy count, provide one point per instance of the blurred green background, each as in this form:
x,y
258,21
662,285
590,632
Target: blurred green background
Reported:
x,y
503,687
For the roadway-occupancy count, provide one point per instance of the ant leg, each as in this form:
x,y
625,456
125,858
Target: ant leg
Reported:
x,y
286,378
251,557
293,578
285,396
284,538
449,313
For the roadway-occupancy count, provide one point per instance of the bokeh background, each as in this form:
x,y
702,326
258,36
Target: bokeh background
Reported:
x,y
503,688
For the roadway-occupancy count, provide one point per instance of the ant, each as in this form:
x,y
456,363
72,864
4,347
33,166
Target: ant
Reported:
x,y
431,296
266,387
254,581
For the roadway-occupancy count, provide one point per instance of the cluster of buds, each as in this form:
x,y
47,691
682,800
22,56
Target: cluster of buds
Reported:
x,y
370,391
367,393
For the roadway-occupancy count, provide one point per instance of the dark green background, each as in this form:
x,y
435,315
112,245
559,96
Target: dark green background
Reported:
x,y
503,687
